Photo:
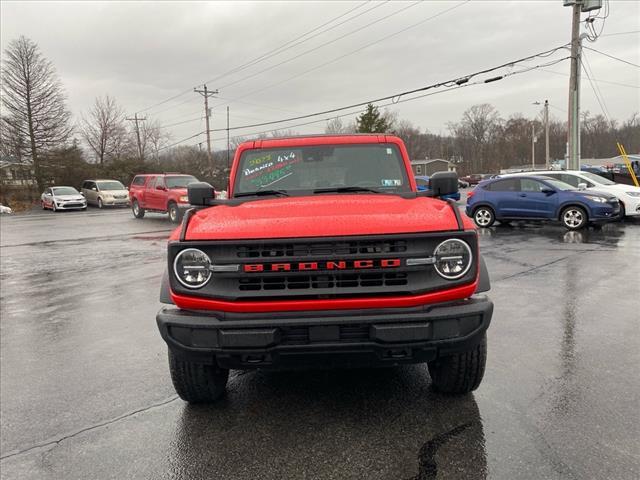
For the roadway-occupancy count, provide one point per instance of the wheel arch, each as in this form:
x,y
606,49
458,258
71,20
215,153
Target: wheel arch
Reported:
x,y
566,205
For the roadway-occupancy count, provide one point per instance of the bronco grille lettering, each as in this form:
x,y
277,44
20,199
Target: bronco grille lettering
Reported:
x,y
324,265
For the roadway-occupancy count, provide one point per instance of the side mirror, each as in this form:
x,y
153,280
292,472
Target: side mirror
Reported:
x,y
200,193
582,186
547,191
443,183
82,194
161,187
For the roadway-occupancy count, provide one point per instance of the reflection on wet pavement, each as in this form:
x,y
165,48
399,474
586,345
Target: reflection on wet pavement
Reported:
x,y
86,392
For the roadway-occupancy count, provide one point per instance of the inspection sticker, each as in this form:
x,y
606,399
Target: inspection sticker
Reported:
x,y
391,182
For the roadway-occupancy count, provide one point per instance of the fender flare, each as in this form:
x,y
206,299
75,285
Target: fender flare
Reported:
x,y
165,289
484,282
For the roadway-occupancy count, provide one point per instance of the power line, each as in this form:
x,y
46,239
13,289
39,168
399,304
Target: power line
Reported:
x,y
620,33
598,80
281,48
322,45
612,57
391,103
246,64
181,141
586,67
352,52
459,81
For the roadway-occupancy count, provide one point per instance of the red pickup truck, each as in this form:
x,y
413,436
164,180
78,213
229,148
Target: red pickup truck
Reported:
x,y
324,254
164,193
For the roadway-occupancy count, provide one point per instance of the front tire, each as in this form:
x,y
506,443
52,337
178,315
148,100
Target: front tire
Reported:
x,y
137,210
460,373
484,217
100,205
174,213
197,382
574,218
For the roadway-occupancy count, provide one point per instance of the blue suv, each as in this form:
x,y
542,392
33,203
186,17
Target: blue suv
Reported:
x,y
538,198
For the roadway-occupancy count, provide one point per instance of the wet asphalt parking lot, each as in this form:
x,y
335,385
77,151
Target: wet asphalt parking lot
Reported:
x,y
86,394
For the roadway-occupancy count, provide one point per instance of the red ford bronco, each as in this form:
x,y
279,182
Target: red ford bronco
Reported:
x,y
324,254
164,193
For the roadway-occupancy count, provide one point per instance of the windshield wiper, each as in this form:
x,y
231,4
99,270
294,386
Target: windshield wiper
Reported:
x,y
346,190
260,193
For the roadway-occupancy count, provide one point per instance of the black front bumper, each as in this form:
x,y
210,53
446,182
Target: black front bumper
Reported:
x,y
326,338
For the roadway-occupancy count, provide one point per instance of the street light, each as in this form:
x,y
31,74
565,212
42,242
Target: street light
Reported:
x,y
546,131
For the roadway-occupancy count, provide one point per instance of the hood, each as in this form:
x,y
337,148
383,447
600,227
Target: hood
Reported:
x,y
69,197
619,187
322,216
595,193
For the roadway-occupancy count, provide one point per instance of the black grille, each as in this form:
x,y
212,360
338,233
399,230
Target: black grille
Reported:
x,y
302,282
321,249
323,268
299,335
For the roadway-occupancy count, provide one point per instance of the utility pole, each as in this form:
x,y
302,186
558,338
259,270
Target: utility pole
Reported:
x,y
573,136
228,143
546,132
207,113
533,146
547,159
136,120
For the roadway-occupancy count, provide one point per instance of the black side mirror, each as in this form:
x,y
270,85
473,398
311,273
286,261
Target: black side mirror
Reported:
x,y
443,183
200,193
547,190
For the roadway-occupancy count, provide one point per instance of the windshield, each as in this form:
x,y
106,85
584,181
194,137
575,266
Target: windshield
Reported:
x,y
179,182
111,185
65,191
559,185
597,178
378,167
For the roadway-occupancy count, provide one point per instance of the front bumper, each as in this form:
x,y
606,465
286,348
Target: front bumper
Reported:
x,y
71,205
289,340
605,212
116,201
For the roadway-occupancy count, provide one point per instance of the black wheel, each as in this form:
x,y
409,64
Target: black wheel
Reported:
x,y
460,373
53,206
623,212
574,218
137,210
100,205
175,215
196,382
484,217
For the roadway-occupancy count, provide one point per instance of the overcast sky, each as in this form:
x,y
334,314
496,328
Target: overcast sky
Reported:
x,y
143,53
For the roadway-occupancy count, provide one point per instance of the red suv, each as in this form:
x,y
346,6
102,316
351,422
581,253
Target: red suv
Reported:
x,y
164,193
325,254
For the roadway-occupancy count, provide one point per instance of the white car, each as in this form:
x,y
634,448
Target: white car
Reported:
x,y
627,195
6,210
62,198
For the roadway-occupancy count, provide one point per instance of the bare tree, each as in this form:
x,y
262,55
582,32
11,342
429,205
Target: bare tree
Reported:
x,y
34,100
104,129
153,137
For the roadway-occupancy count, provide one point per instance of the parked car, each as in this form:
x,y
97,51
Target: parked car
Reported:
x,y
475,178
62,198
422,184
628,195
533,197
103,193
5,209
164,193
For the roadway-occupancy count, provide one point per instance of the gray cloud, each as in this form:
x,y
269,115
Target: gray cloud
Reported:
x,y
143,53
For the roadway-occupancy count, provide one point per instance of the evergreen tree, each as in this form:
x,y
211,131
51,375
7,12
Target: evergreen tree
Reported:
x,y
372,121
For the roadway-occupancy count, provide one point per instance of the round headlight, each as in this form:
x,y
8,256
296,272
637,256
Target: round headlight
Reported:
x,y
192,268
453,259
